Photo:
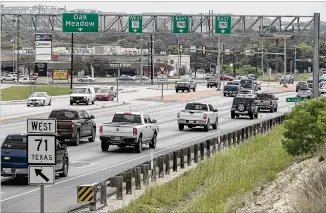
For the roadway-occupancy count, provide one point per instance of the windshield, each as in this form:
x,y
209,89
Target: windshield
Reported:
x,y
265,96
304,89
64,115
15,142
246,83
37,94
79,90
103,90
196,106
236,101
130,118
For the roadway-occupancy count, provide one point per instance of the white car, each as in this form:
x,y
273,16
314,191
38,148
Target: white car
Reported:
x,y
304,92
9,78
83,95
246,93
323,89
26,80
39,98
86,79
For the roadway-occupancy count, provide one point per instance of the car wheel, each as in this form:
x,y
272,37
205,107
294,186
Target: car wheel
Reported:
x,y
232,115
176,91
77,138
189,90
93,102
256,115
139,145
87,102
194,89
251,115
43,104
181,127
206,127
215,124
92,139
104,146
65,168
224,94
275,110
207,86
28,105
50,102
152,144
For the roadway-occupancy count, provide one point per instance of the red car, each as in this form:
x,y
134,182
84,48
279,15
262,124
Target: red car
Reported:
x,y
104,94
226,78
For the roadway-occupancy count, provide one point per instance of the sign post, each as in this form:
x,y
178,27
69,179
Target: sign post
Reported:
x,y
80,22
162,77
135,24
41,153
180,24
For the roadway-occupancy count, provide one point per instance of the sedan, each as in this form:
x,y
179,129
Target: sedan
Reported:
x,y
126,78
104,94
322,89
86,79
39,98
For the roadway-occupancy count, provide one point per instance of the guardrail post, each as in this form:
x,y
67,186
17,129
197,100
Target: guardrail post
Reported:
x,y
161,167
129,182
208,148
243,135
196,153
234,140
104,200
182,158
238,137
189,156
119,181
214,145
112,182
154,170
247,133
230,138
175,161
137,179
167,164
123,174
226,141
202,151
145,174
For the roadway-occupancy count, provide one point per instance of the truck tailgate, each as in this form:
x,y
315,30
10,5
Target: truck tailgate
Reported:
x,y
118,129
263,102
192,114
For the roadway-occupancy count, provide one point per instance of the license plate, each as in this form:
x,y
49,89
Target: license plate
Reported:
x,y
191,121
7,170
77,101
116,138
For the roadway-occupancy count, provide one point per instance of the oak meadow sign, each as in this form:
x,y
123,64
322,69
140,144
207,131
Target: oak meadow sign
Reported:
x,y
80,22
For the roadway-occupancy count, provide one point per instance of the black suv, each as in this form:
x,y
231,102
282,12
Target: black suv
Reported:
x,y
73,125
244,106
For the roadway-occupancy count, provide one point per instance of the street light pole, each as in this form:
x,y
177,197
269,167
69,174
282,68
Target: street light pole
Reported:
x,y
284,81
295,63
218,63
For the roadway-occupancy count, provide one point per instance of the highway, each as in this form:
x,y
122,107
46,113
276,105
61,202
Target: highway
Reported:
x,y
88,164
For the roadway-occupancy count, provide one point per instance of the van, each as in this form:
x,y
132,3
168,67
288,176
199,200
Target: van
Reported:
x,y
84,95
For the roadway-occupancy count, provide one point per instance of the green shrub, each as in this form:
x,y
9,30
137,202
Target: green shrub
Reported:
x,y
305,127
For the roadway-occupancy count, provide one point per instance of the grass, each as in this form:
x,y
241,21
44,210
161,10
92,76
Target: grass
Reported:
x,y
209,186
23,92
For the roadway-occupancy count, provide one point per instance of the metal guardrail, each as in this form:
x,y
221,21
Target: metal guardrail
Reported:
x,y
162,165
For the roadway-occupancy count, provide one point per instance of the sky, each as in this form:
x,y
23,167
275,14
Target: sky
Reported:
x,y
237,8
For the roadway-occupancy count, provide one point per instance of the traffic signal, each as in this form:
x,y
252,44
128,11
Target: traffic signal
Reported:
x,y
180,48
203,50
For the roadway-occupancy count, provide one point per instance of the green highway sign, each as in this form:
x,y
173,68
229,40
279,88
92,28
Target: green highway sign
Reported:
x,y
80,22
294,99
180,24
135,24
223,24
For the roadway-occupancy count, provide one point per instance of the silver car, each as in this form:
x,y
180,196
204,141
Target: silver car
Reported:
x,y
304,92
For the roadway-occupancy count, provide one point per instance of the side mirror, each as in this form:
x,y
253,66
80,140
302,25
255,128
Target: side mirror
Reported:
x,y
92,117
215,110
154,121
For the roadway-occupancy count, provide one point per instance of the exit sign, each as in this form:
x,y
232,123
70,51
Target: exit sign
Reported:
x,y
294,99
80,22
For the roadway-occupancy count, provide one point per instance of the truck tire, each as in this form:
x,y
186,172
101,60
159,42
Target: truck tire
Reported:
x,y
92,138
65,168
87,102
71,103
215,124
194,89
224,94
104,146
181,127
256,115
176,91
77,138
206,127
207,86
251,115
139,145
232,115
188,89
182,90
152,144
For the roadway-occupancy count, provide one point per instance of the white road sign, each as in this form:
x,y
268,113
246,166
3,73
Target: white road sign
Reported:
x,y
162,75
41,174
41,149
48,126
193,49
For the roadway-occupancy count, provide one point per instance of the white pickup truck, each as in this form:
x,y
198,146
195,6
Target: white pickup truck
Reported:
x,y
197,114
129,129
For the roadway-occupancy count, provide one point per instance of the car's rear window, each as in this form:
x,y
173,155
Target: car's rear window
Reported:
x,y
64,115
15,142
117,118
196,106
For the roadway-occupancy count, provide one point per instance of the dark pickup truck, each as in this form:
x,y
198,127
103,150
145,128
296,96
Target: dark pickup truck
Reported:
x,y
14,157
231,88
72,125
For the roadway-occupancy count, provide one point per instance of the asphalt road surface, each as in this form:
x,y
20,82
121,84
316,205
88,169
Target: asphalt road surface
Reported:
x,y
88,164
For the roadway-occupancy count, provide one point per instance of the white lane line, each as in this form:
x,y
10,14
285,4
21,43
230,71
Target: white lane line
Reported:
x,y
116,165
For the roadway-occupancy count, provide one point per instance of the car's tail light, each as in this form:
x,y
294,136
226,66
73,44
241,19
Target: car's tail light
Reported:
x,y
127,113
101,129
134,131
71,124
205,116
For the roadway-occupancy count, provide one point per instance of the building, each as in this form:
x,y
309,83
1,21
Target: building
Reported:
x,y
84,11
173,60
36,9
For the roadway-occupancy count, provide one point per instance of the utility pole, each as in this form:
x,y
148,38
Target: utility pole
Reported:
x,y
316,55
196,62
72,60
295,63
284,81
152,66
141,59
262,59
233,61
179,58
17,64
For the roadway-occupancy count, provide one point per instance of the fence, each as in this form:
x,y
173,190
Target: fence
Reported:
x,y
162,165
